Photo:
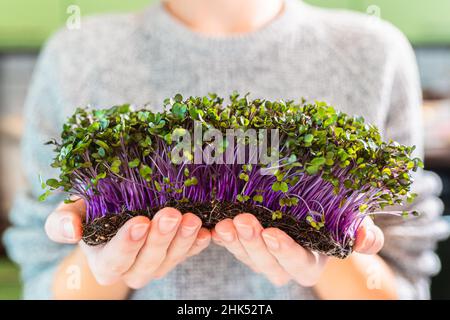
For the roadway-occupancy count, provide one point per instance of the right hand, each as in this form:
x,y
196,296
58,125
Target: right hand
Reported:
x,y
142,249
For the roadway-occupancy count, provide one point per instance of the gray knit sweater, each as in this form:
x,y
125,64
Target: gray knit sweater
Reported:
x,y
362,66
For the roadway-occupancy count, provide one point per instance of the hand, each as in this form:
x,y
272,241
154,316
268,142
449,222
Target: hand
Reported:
x,y
141,250
276,255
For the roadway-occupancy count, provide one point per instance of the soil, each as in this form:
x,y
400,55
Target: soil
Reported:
x,y
101,230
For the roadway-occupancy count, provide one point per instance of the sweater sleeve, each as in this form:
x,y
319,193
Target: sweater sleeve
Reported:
x,y
410,244
26,241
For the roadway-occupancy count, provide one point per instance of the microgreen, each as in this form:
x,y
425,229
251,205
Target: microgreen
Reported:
x,y
333,168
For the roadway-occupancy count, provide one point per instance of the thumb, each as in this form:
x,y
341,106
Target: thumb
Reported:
x,y
369,238
64,225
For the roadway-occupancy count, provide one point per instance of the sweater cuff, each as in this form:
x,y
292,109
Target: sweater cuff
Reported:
x,y
40,286
409,290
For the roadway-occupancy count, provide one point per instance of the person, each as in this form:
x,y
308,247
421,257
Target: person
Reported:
x,y
275,49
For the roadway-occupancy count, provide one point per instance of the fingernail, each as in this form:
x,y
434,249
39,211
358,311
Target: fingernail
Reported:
x,y
138,231
245,231
167,223
187,231
67,228
271,242
226,236
369,240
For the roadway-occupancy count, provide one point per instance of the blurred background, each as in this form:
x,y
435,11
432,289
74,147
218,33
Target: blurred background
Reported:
x,y
25,24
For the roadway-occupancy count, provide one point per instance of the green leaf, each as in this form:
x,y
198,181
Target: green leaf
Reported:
x,y
180,132
330,121
178,97
125,108
420,163
258,198
168,138
319,161
242,198
143,116
292,158
243,176
94,127
86,164
41,181
115,165
116,162
363,208
44,196
179,110
342,155
348,184
312,170
276,215
134,163
194,181
191,182
102,144
145,172
53,183
338,131
101,152
104,123
146,142
308,138
280,186
410,197
101,176
65,152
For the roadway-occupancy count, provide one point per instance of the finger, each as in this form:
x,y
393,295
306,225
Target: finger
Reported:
x,y
183,241
163,229
225,232
249,233
304,266
216,239
110,261
77,205
201,243
369,238
64,225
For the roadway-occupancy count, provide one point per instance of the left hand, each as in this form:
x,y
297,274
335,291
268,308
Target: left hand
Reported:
x,y
276,255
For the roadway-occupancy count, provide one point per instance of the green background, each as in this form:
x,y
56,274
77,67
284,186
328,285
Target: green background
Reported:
x,y
25,24
10,287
